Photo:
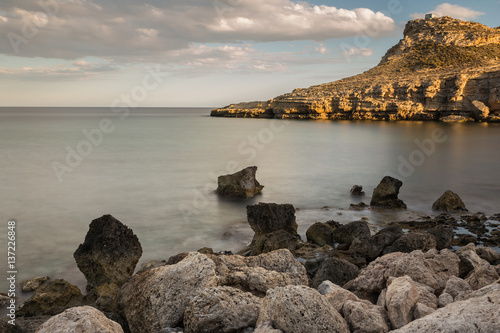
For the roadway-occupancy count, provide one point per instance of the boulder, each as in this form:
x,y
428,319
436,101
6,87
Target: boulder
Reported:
x,y
80,319
372,248
455,285
422,310
443,236
276,240
444,299
221,309
426,295
465,295
320,233
413,241
346,233
158,297
386,194
482,276
298,309
401,298
104,297
264,218
449,202
33,283
469,259
241,184
366,318
109,253
336,295
479,314
357,190
488,254
51,299
336,270
481,111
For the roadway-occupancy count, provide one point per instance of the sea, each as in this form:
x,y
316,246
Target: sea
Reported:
x,y
156,169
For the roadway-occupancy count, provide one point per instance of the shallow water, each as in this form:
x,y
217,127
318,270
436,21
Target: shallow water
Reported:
x,y
156,172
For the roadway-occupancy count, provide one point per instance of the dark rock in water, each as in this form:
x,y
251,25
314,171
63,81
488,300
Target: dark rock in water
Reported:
x,y
463,240
357,190
336,270
109,253
372,248
386,194
359,206
411,242
265,218
276,240
33,284
320,233
443,236
51,299
449,202
346,233
488,254
241,184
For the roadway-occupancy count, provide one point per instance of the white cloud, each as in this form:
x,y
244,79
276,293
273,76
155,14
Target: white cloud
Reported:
x,y
358,52
321,49
455,11
77,69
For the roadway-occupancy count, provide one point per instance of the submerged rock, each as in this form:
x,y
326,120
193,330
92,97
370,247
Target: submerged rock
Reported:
x,y
357,190
109,253
449,202
241,184
80,319
386,194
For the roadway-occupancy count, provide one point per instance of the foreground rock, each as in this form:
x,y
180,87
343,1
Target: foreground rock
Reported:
x,y
298,309
401,298
240,185
365,318
80,319
109,253
386,194
449,202
479,314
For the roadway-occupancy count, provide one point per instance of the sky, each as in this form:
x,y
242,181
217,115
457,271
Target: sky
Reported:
x,y
210,53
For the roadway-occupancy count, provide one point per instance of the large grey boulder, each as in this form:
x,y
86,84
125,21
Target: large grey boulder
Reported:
x,y
386,194
320,233
109,253
79,320
449,202
221,309
401,298
346,233
299,309
241,184
366,318
479,314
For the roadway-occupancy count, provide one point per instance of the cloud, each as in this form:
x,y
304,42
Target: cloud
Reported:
x,y
357,52
321,49
133,31
455,11
77,69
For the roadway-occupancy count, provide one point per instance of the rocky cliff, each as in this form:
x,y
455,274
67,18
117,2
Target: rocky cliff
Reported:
x,y
443,69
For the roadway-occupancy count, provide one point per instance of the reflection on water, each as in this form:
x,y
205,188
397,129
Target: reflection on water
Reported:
x,y
156,171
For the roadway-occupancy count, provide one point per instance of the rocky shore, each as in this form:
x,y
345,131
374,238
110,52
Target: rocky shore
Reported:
x,y
410,276
443,69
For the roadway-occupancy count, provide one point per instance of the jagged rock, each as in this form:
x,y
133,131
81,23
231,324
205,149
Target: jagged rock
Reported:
x,y
152,264
336,270
298,309
401,298
413,241
449,202
80,319
359,206
426,295
386,194
465,295
267,327
372,248
276,240
357,190
33,284
381,298
488,254
366,318
241,184
443,236
51,299
469,259
455,285
104,297
158,298
109,253
479,314
346,233
422,310
336,295
265,218
482,275
320,233
482,111
221,309
444,299
463,240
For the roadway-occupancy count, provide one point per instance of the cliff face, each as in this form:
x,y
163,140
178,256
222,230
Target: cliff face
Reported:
x,y
443,69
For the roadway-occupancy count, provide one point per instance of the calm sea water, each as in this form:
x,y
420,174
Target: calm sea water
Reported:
x,y
155,170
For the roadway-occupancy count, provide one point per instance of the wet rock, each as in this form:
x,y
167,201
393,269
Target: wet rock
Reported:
x,y
479,314
463,240
346,233
444,299
366,318
413,241
276,240
455,286
357,190
422,310
372,248
359,206
265,218
449,202
488,254
221,309
401,298
109,253
241,184
443,236
51,299
80,319
386,194
158,298
336,270
33,284
320,233
298,309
